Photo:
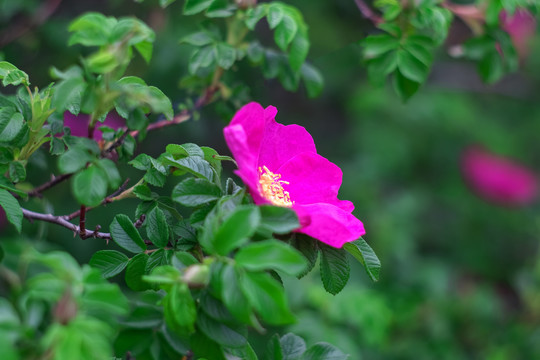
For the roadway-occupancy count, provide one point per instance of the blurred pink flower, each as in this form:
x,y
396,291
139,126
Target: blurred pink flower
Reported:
x,y
521,26
498,179
79,123
280,166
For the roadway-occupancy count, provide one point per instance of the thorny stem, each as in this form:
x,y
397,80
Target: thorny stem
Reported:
x,y
60,220
367,12
18,29
49,184
82,220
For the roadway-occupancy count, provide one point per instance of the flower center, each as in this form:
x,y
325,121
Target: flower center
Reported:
x,y
272,189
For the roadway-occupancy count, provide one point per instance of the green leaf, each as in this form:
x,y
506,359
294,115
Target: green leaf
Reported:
x,y
254,15
201,58
12,208
226,55
244,353
273,348
57,146
267,296
184,150
292,346
404,87
11,75
179,308
214,159
145,48
309,248
160,103
232,295
278,219
367,257
143,192
200,38
109,167
376,45
335,269
157,228
195,192
299,51
285,32
192,7
135,270
91,29
90,186
313,80
205,348
192,164
183,259
410,67
109,262
491,68
236,229
275,15
271,254
220,9
124,233
382,66
165,275
17,172
105,299
324,351
103,61
221,333
73,160
12,127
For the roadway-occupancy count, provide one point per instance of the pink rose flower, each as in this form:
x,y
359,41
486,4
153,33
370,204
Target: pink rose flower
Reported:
x,y
498,179
280,166
79,123
521,26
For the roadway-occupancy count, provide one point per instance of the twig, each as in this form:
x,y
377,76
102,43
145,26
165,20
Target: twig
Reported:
x,y
59,220
17,30
49,184
368,13
181,117
105,201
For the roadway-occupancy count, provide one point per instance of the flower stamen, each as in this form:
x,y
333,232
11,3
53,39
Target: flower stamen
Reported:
x,y
271,188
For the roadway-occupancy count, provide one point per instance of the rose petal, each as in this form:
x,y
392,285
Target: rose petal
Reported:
x,y
329,224
252,182
280,143
238,143
313,179
251,118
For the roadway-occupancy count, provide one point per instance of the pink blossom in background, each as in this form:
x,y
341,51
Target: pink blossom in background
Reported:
x,y
79,123
521,26
280,166
498,179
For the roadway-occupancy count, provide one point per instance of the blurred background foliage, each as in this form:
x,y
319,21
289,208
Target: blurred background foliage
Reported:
x,y
460,276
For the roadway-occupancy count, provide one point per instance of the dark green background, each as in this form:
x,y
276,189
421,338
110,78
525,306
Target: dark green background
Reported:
x,y
460,277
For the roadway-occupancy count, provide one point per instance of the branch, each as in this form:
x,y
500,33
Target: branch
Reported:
x,y
105,201
17,30
368,13
59,220
184,115
49,184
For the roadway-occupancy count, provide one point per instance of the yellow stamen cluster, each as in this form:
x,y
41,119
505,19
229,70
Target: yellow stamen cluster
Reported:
x,y
271,188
